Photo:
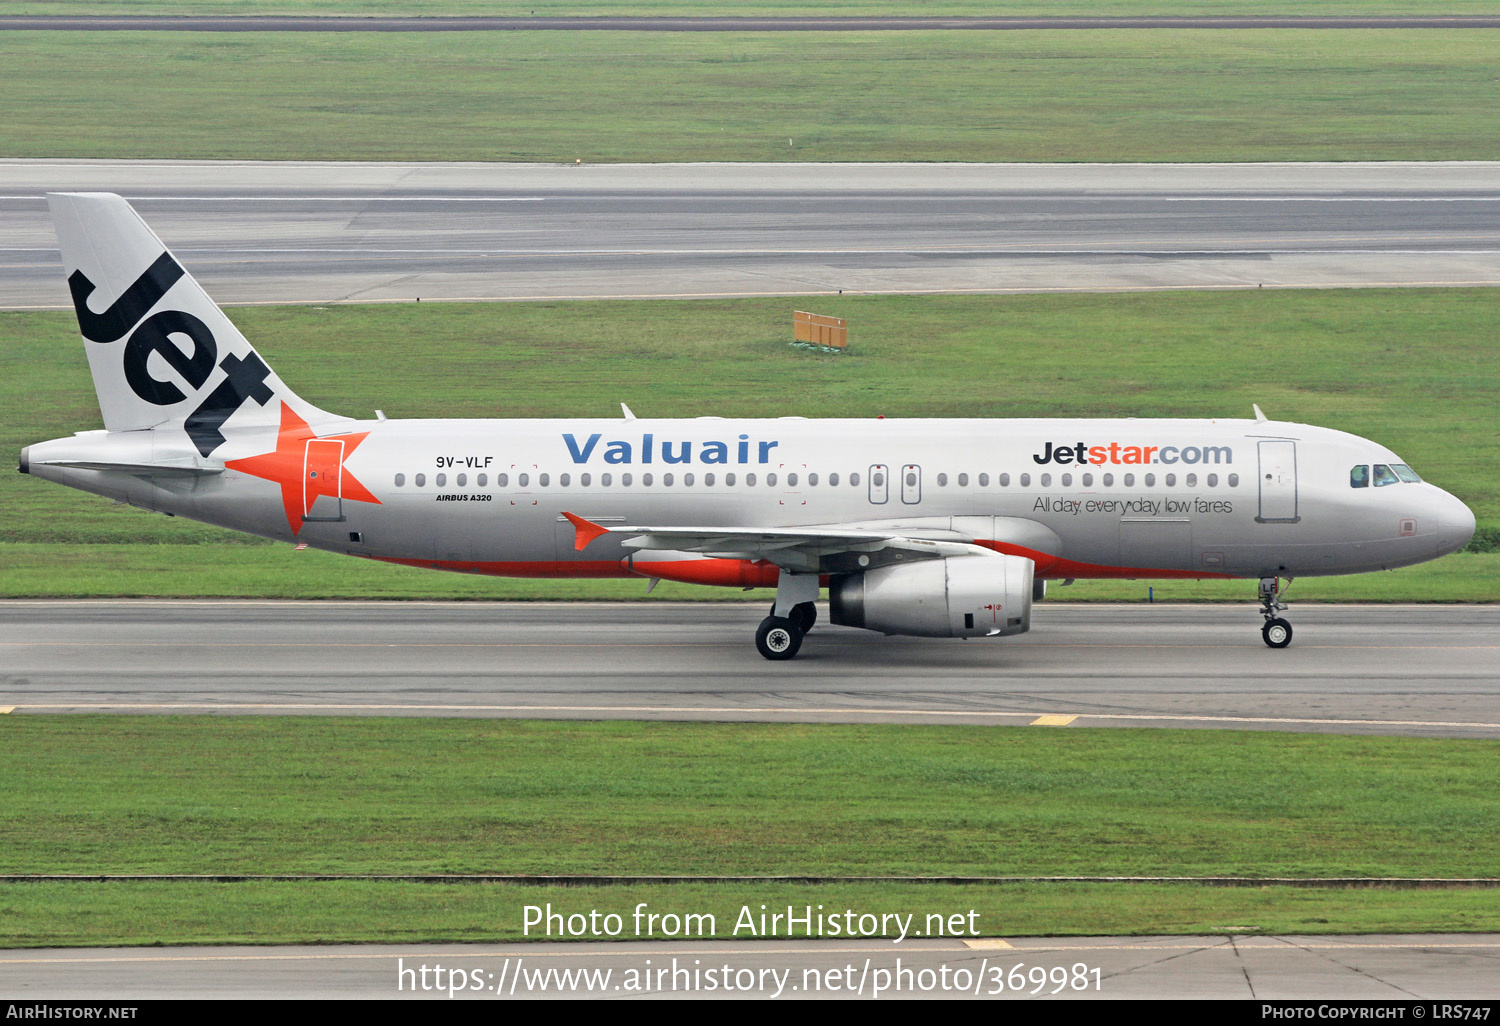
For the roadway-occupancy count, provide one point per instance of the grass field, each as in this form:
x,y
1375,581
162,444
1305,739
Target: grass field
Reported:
x,y
92,794
1415,369
109,914
102,794
927,96
680,8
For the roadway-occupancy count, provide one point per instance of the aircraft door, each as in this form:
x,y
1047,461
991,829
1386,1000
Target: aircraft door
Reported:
x,y
911,484
323,474
1278,483
879,483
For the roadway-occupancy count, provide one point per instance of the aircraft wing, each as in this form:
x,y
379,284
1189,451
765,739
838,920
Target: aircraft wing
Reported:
x,y
797,549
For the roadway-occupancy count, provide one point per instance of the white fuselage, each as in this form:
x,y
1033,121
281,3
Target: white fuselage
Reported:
x,y
1083,498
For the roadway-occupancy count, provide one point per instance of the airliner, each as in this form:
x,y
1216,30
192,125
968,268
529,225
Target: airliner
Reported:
x,y
934,528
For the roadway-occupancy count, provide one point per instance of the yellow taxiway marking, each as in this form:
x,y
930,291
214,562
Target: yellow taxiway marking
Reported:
x,y
1053,720
980,714
990,944
6,709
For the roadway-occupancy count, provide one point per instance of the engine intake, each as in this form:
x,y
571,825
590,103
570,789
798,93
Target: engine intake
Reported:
x,y
962,597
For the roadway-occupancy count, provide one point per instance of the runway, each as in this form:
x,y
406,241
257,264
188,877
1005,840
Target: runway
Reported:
x,y
1408,670
332,233
1394,969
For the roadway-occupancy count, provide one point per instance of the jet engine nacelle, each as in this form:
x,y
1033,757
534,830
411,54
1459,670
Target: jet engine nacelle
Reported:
x,y
960,597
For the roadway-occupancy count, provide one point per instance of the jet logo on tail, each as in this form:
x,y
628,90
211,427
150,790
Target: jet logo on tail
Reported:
x,y
246,378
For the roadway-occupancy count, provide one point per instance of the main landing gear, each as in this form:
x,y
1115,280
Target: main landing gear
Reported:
x,y
779,637
1276,632
792,616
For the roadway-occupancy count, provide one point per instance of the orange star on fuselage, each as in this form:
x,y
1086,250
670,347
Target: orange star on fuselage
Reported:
x,y
287,466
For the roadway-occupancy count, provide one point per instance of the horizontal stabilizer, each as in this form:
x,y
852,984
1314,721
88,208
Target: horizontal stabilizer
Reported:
x,y
138,469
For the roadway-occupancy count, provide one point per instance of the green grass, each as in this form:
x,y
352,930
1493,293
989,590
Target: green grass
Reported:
x,y
99,915
100,794
721,8
1415,369
927,96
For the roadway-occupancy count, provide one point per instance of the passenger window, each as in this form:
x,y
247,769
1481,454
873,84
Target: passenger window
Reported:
x,y
963,480
750,480
984,480
483,480
543,479
1171,480
666,480
523,480
583,479
1192,480
1384,476
1234,480
442,479
878,480
770,480
502,480
1405,473
1025,480
812,479
854,480
400,480
1129,480
625,480
1359,477
708,479
463,479
646,480
1046,480
1213,480
421,480
1067,479
942,480
687,479
833,479
1150,480
1004,480
606,480
729,479
791,480
562,479
1109,479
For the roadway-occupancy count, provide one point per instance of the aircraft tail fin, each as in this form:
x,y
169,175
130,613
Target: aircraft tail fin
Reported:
x,y
160,350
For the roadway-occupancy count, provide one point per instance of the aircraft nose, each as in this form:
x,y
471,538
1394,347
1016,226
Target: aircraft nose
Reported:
x,y
1455,525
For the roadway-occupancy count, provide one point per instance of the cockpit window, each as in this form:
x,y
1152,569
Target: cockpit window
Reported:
x,y
1359,477
1405,473
1384,476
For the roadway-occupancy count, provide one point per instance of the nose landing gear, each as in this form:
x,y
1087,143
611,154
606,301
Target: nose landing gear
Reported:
x,y
1276,632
